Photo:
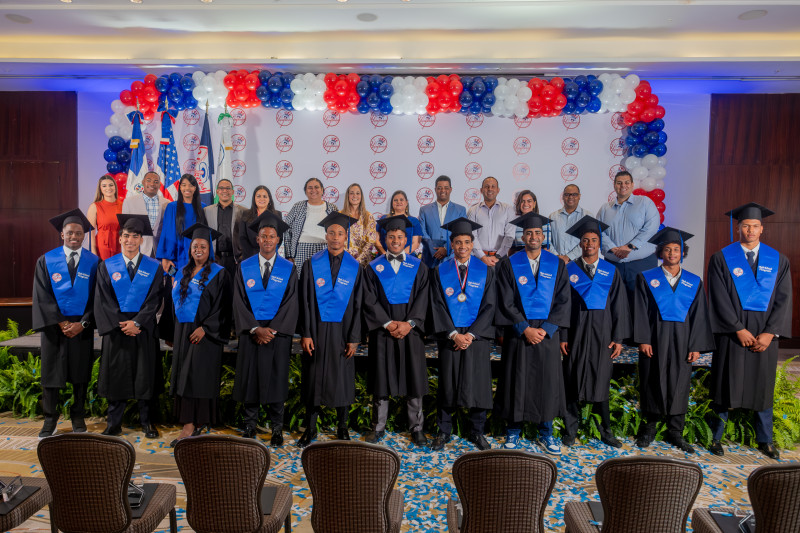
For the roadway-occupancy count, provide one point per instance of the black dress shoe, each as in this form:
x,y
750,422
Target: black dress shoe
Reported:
x,y
248,433
769,450
479,441
716,448
150,431
568,440
308,436
644,441
439,442
78,425
277,438
343,434
374,436
419,438
680,443
48,428
201,429
610,440
112,430
173,443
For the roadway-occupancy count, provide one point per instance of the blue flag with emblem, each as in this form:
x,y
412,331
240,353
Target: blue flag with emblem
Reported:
x,y
204,165
138,167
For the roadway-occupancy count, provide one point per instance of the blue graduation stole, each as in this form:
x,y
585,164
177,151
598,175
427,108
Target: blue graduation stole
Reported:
x,y
71,298
754,291
185,311
265,302
332,299
593,291
536,295
463,313
131,294
397,287
673,306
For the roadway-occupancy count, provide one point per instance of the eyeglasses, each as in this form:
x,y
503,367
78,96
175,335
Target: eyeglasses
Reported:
x,y
571,194
224,188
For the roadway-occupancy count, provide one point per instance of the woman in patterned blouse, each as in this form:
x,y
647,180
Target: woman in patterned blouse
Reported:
x,y
363,240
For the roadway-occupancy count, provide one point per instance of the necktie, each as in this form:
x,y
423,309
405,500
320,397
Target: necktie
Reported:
x,y
336,262
71,266
590,270
398,258
265,275
462,271
751,259
131,270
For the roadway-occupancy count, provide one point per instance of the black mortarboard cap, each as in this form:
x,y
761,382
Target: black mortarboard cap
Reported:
x,y
201,231
137,223
668,234
75,216
750,211
461,226
531,220
394,223
587,224
338,218
268,219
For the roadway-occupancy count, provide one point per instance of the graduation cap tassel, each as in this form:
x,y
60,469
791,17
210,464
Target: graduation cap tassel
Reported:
x,y
731,221
682,252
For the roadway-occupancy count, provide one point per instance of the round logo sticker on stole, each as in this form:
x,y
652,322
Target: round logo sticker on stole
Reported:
x,y
738,272
449,291
379,268
574,278
116,276
56,277
523,280
655,283
320,282
251,283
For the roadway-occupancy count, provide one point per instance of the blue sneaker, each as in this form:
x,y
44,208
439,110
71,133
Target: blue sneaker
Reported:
x,y
550,445
512,441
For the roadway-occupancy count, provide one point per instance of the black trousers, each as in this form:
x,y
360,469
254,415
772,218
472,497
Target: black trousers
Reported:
x,y
444,419
77,410
274,410
573,415
675,423
117,408
342,416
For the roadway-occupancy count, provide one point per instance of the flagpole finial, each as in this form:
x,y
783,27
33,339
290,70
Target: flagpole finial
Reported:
x,y
137,104
206,107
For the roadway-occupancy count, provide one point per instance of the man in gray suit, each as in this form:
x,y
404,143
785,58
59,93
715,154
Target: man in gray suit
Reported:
x,y
149,203
224,217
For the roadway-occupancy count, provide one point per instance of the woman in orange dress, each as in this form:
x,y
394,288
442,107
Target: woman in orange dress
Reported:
x,y
103,216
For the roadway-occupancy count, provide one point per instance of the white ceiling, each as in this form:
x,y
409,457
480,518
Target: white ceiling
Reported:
x,y
687,45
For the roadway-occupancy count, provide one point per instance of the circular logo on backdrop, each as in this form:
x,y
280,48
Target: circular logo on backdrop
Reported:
x,y
148,142
56,277
189,166
238,142
426,144
738,272
569,172
618,121
379,268
523,280
284,143
320,282
571,121
238,167
617,147
239,193
284,117
377,195
522,122
251,283
425,170
449,291
331,118
655,283
378,144
377,170
613,171
475,121
138,188
424,196
238,116
473,145
330,169
521,171
426,120
191,116
570,146
116,276
283,194
574,278
331,143
283,169
331,194
150,166
472,196
522,145
612,196
473,171
378,119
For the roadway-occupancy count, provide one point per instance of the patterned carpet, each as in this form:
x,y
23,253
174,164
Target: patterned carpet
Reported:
x,y
424,478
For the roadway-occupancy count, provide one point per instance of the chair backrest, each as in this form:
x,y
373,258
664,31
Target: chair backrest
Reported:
x,y
350,482
775,494
223,476
653,494
504,490
88,475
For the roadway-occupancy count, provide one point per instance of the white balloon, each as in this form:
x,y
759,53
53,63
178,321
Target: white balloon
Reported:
x,y
627,96
501,81
126,132
619,85
199,93
408,90
117,106
524,93
501,91
650,161
318,86
511,102
662,160
220,75
658,172
632,81
198,75
639,173
498,109
396,100
648,184
397,83
660,184
408,80
208,83
420,83
513,84
297,86
111,130
421,100
298,102
521,110
632,162
604,77
637,184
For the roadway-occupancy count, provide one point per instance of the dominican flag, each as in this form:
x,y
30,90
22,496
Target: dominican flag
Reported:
x,y
167,164
138,166
225,151
204,165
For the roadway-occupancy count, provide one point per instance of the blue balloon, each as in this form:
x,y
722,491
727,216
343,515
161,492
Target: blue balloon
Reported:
x,y
595,87
388,79
475,108
110,155
123,156
662,137
486,109
464,110
288,107
264,76
113,167
286,96
632,140
640,150
659,150
275,101
187,84
375,81
591,77
362,88
275,84
583,99
265,103
478,87
175,78
571,90
491,83
580,110
594,105
466,81
116,143
651,138
262,93
161,85
179,106
465,99
656,125
569,108
385,91
363,107
582,81
639,129
190,102
373,100
175,94
385,107
489,99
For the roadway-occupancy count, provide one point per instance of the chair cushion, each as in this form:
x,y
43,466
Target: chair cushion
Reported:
x,y
28,508
162,502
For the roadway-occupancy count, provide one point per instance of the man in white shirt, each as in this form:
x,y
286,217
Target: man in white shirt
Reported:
x,y
496,235
149,203
562,243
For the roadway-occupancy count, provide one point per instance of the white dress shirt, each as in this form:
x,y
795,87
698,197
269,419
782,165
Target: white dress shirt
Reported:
x,y
442,211
672,280
68,251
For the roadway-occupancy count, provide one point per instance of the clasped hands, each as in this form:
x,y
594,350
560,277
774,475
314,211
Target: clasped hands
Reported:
x,y
398,329
70,329
756,344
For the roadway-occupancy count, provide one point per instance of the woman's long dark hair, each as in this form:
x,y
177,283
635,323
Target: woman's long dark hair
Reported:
x,y
251,214
187,276
518,201
180,210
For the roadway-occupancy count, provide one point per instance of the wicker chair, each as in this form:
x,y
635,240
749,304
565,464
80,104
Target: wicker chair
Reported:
x,y
223,476
501,490
88,475
775,494
30,505
652,494
352,486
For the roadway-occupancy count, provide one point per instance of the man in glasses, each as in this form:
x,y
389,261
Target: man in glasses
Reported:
x,y
562,243
224,217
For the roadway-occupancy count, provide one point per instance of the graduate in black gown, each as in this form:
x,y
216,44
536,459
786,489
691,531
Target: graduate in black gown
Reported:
x,y
670,324
599,321
533,305
463,298
63,300
265,310
750,305
127,298
330,326
201,297
395,307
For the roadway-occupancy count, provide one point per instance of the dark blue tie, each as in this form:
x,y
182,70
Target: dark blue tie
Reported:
x,y
72,265
131,270
751,258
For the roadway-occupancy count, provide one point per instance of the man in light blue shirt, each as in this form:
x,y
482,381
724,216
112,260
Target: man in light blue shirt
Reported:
x,y
632,221
436,239
496,235
562,243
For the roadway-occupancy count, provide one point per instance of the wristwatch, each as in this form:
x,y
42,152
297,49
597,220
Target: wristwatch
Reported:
x,y
632,247
412,323
85,324
137,324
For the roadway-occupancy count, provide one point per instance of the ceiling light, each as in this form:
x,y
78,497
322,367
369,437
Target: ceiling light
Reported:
x,y
342,1
753,14
136,1
66,1
367,17
13,17
206,1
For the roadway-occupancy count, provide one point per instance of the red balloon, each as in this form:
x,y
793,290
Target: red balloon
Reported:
x,y
445,101
149,115
661,207
150,93
629,119
635,107
535,103
643,90
352,99
443,79
330,79
137,86
548,93
557,82
329,97
353,78
639,192
657,195
241,75
659,111
648,115
251,82
126,97
231,100
241,93
536,85
341,87
229,81
456,87
651,100
150,79
662,218
433,89
559,102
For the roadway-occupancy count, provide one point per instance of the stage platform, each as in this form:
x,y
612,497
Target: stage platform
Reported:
x,y
424,479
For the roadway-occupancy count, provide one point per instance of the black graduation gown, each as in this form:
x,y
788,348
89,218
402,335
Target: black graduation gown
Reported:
x,y
465,376
328,377
247,240
63,360
665,379
396,367
262,370
531,385
130,367
588,367
196,368
739,377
